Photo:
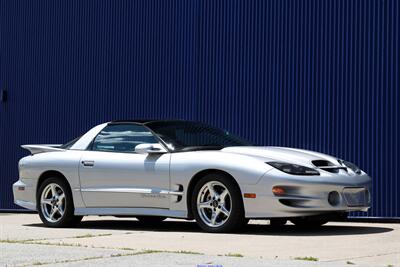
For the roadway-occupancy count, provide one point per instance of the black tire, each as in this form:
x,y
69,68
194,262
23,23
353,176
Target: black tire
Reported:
x,y
277,222
236,218
308,223
68,218
150,220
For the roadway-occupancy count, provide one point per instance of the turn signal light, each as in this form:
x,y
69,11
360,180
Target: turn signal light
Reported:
x,y
278,190
249,195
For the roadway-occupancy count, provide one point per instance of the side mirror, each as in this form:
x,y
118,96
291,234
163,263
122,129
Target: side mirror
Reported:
x,y
150,149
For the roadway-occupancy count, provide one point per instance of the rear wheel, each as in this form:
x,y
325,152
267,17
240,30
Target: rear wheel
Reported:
x,y
217,204
150,219
55,205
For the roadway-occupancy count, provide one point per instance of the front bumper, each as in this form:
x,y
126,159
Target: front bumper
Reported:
x,y
307,195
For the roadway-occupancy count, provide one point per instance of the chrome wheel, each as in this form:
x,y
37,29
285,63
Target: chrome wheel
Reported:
x,y
214,204
52,202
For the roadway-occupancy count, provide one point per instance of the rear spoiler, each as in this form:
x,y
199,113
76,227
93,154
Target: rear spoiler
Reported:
x,y
36,149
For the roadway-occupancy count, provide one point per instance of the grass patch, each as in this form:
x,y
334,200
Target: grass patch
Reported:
x,y
234,255
126,248
306,258
149,251
187,252
90,235
118,255
37,263
11,241
56,244
84,236
38,242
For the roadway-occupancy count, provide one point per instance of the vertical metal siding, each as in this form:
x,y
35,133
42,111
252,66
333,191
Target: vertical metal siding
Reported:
x,y
314,74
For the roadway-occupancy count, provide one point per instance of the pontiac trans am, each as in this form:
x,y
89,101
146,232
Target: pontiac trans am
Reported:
x,y
155,169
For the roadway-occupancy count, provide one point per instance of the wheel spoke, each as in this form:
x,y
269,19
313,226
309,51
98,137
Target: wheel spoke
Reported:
x,y
53,212
224,211
53,190
212,191
213,217
60,211
61,198
46,201
205,205
223,195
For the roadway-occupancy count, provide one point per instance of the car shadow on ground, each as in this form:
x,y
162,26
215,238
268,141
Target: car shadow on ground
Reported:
x,y
250,229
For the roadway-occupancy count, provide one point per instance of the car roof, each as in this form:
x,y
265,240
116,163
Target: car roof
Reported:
x,y
145,121
133,121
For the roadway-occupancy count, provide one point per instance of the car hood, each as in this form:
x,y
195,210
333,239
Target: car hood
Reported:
x,y
282,154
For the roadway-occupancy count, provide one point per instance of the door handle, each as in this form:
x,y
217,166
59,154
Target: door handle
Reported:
x,y
88,163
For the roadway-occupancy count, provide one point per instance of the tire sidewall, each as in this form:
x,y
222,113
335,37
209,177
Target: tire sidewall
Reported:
x,y
68,216
236,218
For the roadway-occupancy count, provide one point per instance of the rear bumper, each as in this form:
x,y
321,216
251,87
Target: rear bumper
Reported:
x,y
24,194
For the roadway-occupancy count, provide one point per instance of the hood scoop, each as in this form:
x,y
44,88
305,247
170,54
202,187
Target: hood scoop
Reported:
x,y
328,166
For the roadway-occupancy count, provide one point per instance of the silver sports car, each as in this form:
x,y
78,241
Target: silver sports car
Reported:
x,y
153,169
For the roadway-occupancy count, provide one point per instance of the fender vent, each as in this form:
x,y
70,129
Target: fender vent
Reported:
x,y
180,190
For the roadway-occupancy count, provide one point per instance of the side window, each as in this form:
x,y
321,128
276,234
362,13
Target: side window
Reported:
x,y
122,138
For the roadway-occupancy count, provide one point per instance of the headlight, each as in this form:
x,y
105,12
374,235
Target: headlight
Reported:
x,y
350,165
293,168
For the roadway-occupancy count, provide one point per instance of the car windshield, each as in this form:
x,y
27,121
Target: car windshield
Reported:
x,y
189,136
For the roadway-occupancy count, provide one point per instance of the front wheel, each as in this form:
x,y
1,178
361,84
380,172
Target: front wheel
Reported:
x,y
55,205
217,204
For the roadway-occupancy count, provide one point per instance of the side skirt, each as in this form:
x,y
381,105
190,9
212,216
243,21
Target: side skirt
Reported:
x,y
131,211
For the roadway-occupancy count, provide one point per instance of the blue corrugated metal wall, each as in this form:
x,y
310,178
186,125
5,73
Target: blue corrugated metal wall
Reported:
x,y
314,74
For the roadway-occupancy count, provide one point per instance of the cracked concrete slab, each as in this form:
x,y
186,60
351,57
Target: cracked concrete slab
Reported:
x,y
14,254
182,260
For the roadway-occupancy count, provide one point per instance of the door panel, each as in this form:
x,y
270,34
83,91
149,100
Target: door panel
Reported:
x,y
111,179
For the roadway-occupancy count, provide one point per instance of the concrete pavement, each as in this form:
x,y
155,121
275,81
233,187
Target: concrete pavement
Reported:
x,y
100,241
